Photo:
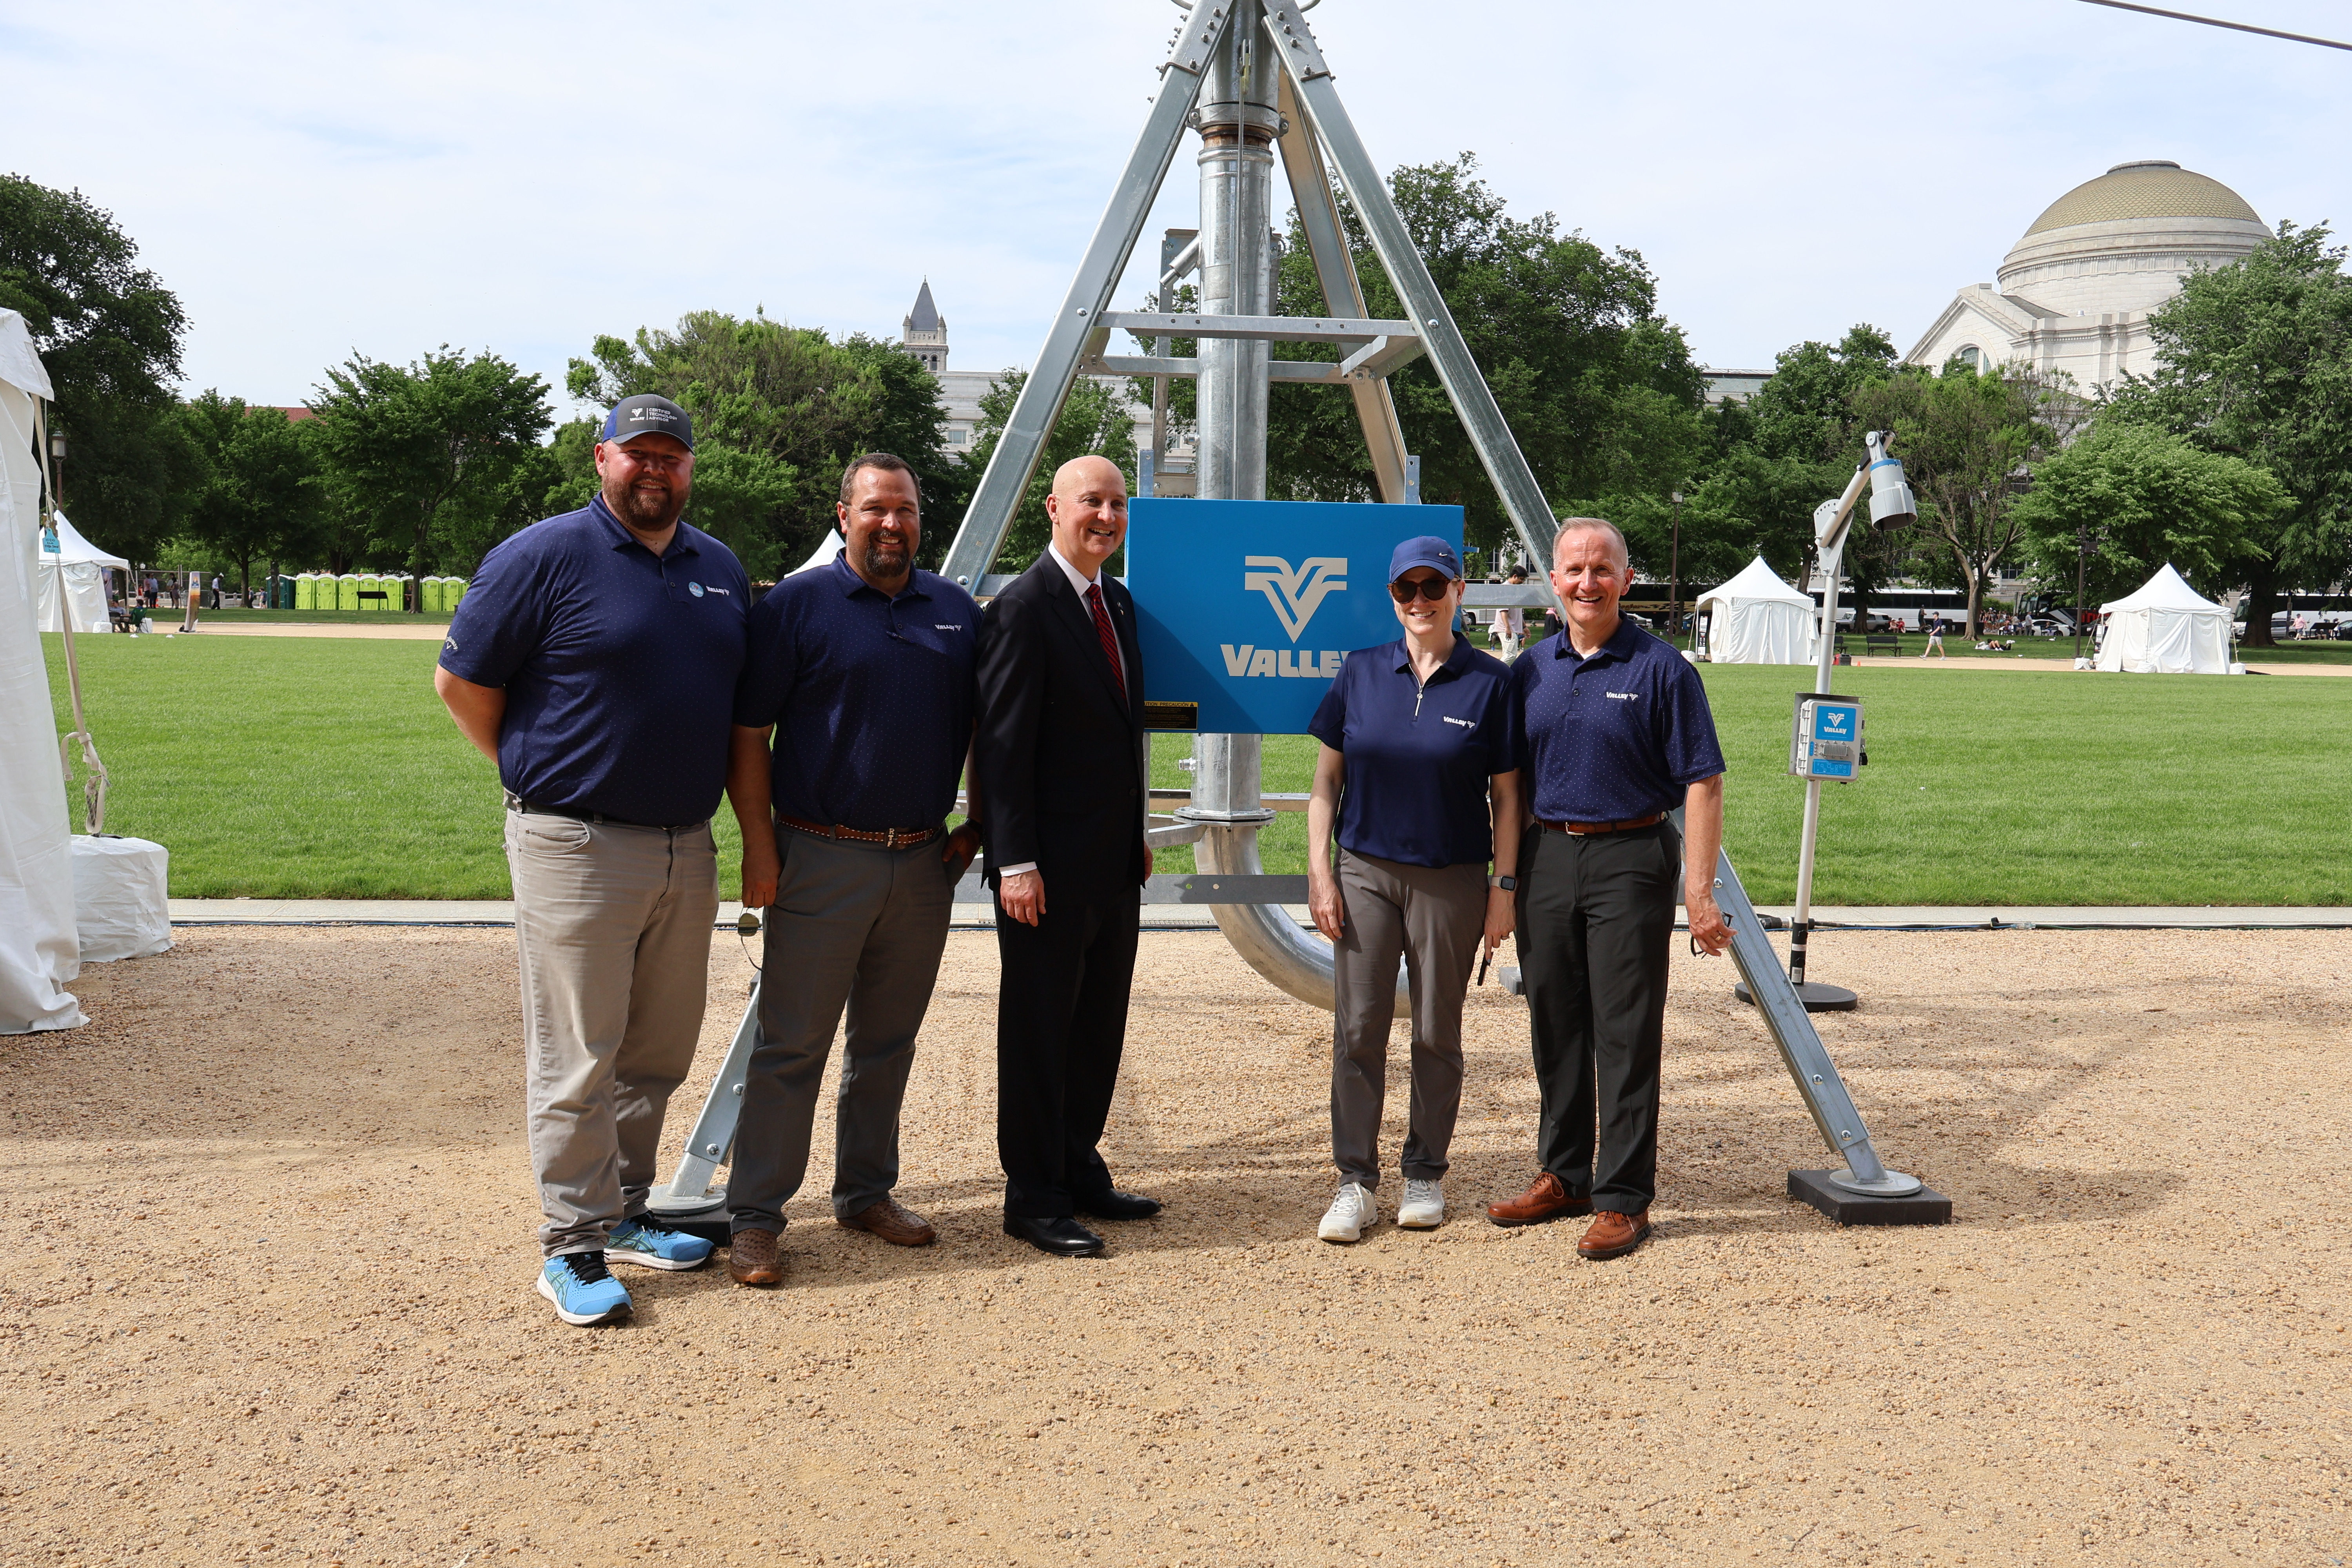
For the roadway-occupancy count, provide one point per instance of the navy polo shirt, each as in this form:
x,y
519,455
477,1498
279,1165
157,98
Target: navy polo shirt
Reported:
x,y
1615,736
1419,757
619,666
871,696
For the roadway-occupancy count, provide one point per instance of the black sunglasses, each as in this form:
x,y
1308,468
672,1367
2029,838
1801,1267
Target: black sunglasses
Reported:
x,y
1431,588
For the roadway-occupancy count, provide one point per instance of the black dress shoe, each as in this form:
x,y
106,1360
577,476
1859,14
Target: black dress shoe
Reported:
x,y
1112,1203
1060,1237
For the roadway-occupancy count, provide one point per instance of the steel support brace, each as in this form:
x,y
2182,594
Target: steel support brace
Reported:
x,y
1807,1059
1016,459
1327,117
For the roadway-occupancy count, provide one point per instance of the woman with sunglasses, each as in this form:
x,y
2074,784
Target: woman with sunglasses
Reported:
x,y
1418,771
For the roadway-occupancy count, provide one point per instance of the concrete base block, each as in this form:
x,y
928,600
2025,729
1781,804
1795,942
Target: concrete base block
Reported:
x,y
1926,1207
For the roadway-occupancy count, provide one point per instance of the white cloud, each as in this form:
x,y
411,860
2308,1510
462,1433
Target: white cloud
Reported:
x,y
318,181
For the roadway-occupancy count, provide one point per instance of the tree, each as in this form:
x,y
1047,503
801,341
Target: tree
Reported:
x,y
2149,498
425,451
258,497
1598,388
1965,438
2254,360
1774,458
108,333
778,412
1095,418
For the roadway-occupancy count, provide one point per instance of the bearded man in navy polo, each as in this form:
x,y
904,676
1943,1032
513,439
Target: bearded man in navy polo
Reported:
x,y
595,662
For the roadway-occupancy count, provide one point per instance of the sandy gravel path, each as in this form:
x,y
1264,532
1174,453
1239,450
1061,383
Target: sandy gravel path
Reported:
x,y
269,1297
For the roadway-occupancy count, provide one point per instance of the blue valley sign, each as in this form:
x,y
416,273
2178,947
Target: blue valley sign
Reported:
x,y
1247,607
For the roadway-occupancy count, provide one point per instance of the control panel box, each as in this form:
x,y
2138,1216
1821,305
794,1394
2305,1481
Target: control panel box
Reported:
x,y
1827,739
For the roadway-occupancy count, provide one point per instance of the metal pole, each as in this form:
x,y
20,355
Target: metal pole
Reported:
x,y
1675,573
2082,560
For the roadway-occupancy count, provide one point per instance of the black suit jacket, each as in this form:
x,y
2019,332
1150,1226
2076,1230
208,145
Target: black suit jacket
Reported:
x,y
1060,756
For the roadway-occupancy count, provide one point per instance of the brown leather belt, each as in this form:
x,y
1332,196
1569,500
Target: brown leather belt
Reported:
x,y
888,837
1585,829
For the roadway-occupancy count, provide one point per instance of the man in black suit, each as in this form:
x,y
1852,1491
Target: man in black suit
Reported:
x,y
1060,758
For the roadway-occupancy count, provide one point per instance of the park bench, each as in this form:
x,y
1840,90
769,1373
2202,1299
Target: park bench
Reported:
x,y
378,594
1887,643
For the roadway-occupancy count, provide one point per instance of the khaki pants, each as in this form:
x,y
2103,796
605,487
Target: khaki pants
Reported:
x,y
1434,918
614,927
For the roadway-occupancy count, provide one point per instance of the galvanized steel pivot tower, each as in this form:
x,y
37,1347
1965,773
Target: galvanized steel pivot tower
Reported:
x,y
1249,77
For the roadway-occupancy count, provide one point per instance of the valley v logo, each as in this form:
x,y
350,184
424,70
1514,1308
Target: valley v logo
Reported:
x,y
1296,595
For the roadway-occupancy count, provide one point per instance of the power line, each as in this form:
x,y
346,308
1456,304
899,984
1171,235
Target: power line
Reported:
x,y
2217,22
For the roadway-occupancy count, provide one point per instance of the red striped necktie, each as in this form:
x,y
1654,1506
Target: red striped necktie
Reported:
x,y
1109,638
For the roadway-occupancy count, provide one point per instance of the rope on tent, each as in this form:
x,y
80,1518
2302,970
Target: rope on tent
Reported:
x,y
94,774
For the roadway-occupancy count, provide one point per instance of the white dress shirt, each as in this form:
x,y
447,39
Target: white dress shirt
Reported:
x,y
1079,584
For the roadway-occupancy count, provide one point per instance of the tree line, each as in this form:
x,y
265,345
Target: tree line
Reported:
x,y
2232,460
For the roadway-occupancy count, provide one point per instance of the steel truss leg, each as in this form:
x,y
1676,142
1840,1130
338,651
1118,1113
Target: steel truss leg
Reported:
x,y
689,1196
1807,1059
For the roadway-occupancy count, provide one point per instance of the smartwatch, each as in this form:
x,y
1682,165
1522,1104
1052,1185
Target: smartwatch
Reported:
x,y
1508,884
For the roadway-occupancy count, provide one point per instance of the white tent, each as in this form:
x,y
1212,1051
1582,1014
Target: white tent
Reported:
x,y
824,552
39,951
1756,618
73,572
2165,629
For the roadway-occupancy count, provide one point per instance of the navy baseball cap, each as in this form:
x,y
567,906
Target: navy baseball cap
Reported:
x,y
1427,551
647,415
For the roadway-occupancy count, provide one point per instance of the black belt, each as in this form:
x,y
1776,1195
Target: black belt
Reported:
x,y
1587,829
596,818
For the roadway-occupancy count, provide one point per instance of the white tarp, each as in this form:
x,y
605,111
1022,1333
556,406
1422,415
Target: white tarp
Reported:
x,y
1756,618
2164,628
824,552
39,953
122,906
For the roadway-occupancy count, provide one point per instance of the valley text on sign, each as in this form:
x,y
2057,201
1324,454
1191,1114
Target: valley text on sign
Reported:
x,y
1247,607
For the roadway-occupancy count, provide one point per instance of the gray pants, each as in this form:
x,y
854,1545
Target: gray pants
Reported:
x,y
855,926
613,926
1435,918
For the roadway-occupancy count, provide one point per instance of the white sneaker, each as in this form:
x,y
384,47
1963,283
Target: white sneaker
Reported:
x,y
1352,1211
1424,1208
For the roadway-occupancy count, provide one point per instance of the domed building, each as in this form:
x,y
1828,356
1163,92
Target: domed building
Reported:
x,y
2075,291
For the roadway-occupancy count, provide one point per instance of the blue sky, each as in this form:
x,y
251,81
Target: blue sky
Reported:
x,y
315,181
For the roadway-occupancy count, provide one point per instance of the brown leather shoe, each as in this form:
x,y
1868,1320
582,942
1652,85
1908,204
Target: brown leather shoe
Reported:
x,y
751,1258
1613,1235
1544,1199
894,1222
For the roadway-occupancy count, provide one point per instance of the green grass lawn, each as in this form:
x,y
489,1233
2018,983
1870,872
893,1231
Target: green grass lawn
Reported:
x,y
319,768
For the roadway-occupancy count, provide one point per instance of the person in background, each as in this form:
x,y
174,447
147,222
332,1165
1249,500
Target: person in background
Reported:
x,y
1935,638
1419,770
1511,620
1618,733
595,662
863,669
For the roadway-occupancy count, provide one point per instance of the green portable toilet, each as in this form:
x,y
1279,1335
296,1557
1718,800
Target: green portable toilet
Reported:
x,y
347,591
436,595
306,591
428,595
453,594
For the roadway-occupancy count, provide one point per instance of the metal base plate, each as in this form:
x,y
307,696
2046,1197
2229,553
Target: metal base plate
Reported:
x,y
1817,997
1820,1188
708,1217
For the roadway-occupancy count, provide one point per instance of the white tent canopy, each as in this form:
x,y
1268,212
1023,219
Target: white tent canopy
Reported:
x,y
72,574
1756,618
39,951
824,552
2164,628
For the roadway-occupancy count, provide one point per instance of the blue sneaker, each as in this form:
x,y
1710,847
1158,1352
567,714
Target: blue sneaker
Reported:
x,y
583,1289
642,1240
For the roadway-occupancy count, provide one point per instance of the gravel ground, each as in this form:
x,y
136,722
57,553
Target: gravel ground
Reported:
x,y
270,1296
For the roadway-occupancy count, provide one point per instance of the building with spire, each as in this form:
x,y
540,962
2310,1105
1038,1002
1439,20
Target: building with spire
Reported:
x,y
925,333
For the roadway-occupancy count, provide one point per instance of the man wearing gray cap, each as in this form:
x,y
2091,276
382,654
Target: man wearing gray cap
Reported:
x,y
595,662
